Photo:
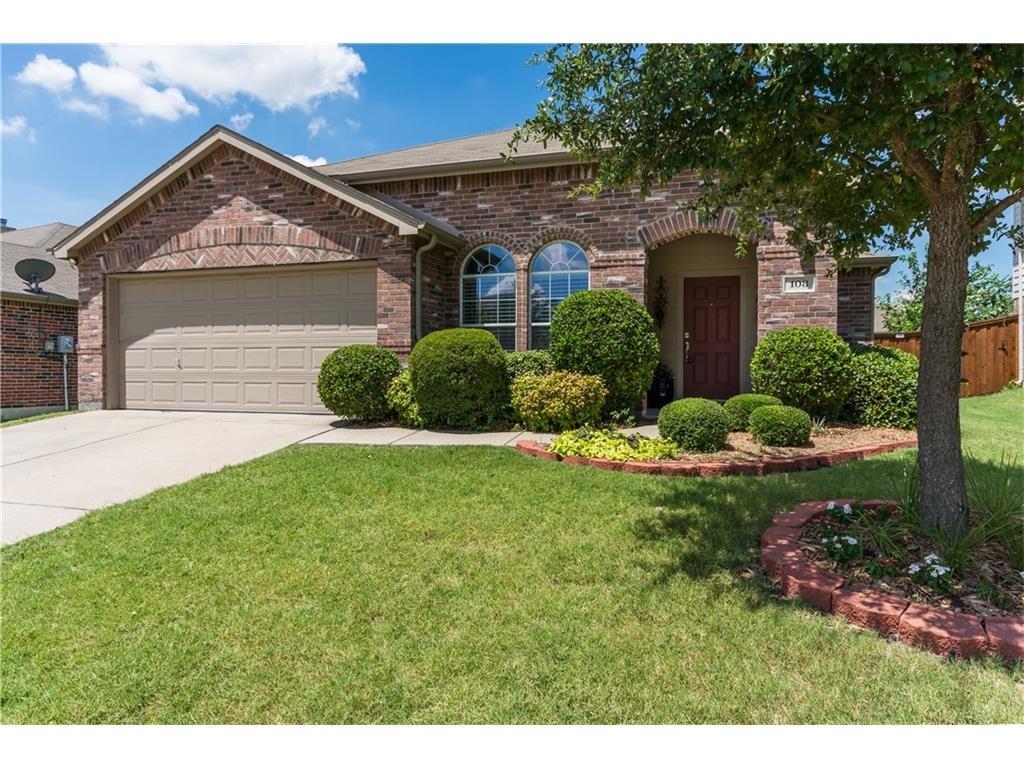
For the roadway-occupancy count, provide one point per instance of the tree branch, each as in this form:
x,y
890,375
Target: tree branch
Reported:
x,y
985,219
917,163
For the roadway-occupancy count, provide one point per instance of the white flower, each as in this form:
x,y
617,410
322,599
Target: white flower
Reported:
x,y
850,540
933,558
847,509
825,541
914,568
831,506
1022,575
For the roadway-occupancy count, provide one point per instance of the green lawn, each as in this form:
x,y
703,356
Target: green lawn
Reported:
x,y
439,585
37,417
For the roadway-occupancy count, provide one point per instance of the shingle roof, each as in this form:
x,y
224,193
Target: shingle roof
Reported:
x,y
32,243
469,152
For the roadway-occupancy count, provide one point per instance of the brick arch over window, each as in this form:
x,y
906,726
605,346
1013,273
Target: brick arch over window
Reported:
x,y
554,234
510,244
240,246
683,223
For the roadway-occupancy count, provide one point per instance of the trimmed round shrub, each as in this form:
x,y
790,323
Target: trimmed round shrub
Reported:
x,y
884,387
607,333
781,425
459,378
353,381
806,367
739,407
558,401
694,424
532,362
402,402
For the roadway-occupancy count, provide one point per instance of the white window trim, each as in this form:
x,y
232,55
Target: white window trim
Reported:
x,y
463,277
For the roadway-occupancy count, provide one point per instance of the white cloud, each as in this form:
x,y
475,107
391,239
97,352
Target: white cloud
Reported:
x,y
75,104
241,122
355,125
316,125
18,126
121,83
280,77
305,160
52,74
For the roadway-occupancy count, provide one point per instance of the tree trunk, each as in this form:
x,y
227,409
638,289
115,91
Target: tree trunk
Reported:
x,y
940,464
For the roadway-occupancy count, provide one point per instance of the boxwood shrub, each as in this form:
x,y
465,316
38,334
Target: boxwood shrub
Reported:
x,y
739,407
806,367
884,387
402,402
459,378
558,401
532,362
694,424
781,425
607,333
353,381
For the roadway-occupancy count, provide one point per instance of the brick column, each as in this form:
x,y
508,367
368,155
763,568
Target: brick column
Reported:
x,y
92,332
396,317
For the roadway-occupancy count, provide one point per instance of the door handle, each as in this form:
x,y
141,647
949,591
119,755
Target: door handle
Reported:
x,y
686,351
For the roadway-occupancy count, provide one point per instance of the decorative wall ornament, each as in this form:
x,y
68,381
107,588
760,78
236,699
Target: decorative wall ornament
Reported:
x,y
660,306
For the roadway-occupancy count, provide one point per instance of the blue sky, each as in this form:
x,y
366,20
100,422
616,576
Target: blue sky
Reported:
x,y
83,123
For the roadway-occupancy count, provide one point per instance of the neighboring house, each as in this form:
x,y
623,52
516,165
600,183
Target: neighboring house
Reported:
x,y
31,380
222,280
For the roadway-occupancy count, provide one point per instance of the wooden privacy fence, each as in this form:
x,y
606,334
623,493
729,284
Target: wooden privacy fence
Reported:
x,y
989,359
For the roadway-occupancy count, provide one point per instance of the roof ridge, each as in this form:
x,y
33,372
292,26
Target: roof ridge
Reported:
x,y
418,146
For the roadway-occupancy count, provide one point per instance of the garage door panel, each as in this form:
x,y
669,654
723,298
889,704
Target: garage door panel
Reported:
x,y
240,342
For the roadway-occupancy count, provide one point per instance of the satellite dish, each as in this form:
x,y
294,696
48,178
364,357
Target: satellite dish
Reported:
x,y
34,272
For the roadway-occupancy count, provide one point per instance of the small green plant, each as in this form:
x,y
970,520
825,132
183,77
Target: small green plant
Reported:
x,y
882,531
531,362
353,381
932,572
558,401
610,444
739,407
780,425
818,424
402,402
996,494
841,547
694,424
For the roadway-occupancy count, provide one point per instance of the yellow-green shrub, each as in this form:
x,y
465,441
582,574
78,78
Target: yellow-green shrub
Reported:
x,y
558,401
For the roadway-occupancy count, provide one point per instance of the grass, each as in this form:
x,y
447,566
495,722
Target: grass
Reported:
x,y
37,417
350,584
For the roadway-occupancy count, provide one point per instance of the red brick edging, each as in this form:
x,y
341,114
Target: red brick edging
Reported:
x,y
939,630
768,466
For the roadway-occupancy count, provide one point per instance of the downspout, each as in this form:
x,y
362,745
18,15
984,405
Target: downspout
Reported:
x,y
419,284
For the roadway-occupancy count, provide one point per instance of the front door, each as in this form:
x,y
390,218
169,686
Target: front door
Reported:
x,y
711,337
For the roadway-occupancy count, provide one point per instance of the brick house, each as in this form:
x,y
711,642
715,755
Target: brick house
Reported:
x,y
31,379
222,280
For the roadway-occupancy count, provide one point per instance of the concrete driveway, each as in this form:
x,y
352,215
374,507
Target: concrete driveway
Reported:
x,y
56,470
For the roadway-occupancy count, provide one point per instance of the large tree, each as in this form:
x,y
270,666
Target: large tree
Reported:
x,y
854,146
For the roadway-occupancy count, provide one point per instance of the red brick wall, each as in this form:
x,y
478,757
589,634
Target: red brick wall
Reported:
x,y
856,305
232,210
28,377
777,309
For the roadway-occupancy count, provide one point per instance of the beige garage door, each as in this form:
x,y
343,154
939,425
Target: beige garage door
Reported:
x,y
242,341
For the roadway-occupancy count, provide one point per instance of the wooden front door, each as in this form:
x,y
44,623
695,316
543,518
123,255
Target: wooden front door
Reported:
x,y
711,337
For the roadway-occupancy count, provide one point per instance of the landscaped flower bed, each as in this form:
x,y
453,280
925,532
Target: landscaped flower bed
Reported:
x,y
865,562
741,455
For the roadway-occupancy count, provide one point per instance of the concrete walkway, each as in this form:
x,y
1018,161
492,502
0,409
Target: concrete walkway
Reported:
x,y
402,436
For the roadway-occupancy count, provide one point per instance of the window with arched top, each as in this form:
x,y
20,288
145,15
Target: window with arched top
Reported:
x,y
559,270
489,293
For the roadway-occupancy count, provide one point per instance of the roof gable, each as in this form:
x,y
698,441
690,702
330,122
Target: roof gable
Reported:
x,y
403,221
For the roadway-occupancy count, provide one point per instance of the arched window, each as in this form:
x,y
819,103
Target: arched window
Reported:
x,y
559,270
489,293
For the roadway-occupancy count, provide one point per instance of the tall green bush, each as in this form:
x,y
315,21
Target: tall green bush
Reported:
x,y
607,333
884,390
806,367
459,378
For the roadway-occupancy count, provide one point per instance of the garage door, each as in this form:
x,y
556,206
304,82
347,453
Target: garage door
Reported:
x,y
239,341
